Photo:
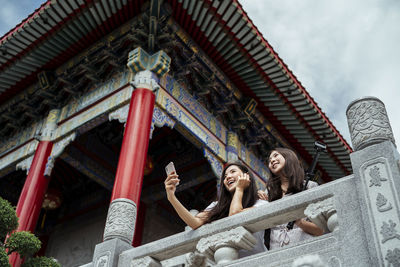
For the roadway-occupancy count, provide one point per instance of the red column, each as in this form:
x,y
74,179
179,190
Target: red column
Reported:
x,y
31,198
132,159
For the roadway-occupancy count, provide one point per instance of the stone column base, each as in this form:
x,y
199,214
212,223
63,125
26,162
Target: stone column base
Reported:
x,y
106,254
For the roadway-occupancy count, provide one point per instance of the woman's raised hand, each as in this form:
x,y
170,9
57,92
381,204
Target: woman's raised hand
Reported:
x,y
170,184
243,181
262,195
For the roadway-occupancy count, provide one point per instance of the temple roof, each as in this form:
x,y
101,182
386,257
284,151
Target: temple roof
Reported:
x,y
59,30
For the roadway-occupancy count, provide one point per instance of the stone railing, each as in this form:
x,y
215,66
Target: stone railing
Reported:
x,y
359,213
219,241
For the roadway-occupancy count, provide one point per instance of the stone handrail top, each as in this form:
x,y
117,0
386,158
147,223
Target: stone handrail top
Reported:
x,y
257,219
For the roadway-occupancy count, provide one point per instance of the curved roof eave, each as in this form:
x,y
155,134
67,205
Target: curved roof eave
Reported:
x,y
221,28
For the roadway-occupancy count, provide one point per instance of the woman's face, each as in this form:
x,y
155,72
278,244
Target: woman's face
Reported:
x,y
276,162
231,177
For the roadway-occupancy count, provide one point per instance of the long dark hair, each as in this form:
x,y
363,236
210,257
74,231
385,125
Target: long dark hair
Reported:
x,y
293,171
221,209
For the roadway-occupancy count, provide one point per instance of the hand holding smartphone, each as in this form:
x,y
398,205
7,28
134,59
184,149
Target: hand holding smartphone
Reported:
x,y
170,168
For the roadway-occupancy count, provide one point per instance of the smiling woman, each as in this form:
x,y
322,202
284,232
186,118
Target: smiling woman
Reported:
x,y
237,194
287,178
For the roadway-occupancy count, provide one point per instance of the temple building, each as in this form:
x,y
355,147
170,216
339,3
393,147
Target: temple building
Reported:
x,y
97,97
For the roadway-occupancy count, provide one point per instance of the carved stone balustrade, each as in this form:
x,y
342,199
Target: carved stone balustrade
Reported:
x,y
323,214
331,247
223,247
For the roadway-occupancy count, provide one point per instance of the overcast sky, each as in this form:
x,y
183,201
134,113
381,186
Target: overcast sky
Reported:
x,y
339,50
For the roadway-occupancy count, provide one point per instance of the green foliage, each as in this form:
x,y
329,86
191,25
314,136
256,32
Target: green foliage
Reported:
x,y
4,258
25,243
8,218
41,262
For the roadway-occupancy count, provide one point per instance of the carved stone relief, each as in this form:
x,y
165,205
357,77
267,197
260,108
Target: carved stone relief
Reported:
x,y
224,246
368,122
195,259
103,260
145,262
309,261
378,186
393,257
323,214
382,203
388,231
121,220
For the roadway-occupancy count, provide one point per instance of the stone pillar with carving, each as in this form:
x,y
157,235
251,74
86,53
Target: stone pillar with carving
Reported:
x,y
376,165
121,217
35,186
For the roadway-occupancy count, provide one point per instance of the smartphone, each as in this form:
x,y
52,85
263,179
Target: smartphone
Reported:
x,y
170,168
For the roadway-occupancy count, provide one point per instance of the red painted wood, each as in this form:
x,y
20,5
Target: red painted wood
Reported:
x,y
31,198
139,227
132,159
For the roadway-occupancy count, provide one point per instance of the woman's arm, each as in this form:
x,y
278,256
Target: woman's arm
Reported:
x,y
193,222
309,227
236,203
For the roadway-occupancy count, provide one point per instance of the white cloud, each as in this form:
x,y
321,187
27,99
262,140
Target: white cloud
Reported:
x,y
13,12
339,50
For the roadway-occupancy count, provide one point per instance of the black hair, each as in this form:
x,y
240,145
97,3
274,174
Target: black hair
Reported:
x,y
221,209
292,170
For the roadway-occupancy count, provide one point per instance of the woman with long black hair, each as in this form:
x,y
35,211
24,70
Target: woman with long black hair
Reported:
x,y
287,179
238,193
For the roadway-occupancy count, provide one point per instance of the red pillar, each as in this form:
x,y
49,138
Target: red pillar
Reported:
x,y
129,177
31,198
132,159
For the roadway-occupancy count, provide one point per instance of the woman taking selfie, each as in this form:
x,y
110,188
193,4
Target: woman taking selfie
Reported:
x,y
238,193
287,179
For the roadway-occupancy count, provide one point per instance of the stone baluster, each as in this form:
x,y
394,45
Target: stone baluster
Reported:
x,y
323,214
224,247
195,259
